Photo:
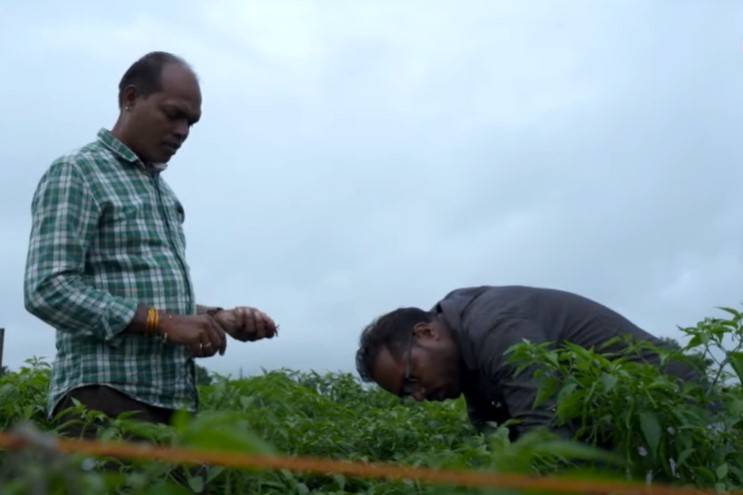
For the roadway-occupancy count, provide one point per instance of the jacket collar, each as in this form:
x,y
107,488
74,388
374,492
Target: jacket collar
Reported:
x,y
450,311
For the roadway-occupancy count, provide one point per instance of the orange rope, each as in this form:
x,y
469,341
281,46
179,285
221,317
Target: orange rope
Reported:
x,y
170,455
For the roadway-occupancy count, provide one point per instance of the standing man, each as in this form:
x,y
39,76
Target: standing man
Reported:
x,y
458,348
106,263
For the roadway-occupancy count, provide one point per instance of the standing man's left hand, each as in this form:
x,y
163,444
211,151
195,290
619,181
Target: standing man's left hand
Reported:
x,y
246,324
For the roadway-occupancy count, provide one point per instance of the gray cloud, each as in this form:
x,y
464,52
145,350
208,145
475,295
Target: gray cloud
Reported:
x,y
357,157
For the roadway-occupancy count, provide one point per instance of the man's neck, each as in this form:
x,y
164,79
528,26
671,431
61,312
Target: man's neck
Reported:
x,y
117,131
453,336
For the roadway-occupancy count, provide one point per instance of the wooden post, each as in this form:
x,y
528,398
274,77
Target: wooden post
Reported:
x,y
2,339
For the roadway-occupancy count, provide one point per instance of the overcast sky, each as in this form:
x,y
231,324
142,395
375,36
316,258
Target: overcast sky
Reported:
x,y
356,156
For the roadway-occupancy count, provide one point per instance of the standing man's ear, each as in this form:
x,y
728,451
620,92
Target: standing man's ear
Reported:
x,y
127,97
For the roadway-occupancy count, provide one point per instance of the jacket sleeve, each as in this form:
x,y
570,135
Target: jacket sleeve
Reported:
x,y
65,216
516,392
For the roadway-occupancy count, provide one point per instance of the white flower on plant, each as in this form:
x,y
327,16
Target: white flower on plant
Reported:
x,y
672,463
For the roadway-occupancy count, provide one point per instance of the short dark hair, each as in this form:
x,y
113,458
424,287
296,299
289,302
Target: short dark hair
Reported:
x,y
144,74
393,331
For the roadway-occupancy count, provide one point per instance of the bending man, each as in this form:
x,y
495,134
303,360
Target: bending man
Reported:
x,y
458,348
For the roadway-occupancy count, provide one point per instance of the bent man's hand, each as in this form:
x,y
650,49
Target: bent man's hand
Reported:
x,y
246,324
200,333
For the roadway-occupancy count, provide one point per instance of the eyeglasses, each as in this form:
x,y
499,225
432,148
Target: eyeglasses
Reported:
x,y
409,384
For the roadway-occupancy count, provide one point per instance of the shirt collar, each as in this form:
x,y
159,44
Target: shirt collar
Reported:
x,y
124,152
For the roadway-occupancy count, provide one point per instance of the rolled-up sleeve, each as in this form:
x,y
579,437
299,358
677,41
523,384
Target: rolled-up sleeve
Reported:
x,y
57,288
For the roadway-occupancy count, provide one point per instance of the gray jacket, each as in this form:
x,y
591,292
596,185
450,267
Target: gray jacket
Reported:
x,y
486,321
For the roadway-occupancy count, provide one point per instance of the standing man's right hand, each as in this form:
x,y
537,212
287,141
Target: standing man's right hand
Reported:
x,y
200,333
247,324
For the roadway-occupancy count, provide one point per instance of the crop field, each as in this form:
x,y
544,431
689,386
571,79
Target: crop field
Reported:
x,y
653,428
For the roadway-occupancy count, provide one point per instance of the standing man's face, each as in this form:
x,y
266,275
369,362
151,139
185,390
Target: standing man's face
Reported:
x,y
157,124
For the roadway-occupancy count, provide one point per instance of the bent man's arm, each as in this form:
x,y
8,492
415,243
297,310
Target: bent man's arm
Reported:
x,y
518,393
65,216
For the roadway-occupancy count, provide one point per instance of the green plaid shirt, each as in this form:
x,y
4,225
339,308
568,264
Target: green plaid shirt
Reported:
x,y
106,236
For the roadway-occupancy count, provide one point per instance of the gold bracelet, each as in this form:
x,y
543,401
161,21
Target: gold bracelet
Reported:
x,y
152,321
148,323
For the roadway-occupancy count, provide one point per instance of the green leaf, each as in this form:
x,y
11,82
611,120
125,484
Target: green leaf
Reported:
x,y
196,483
735,313
704,473
608,382
736,361
302,489
551,357
651,431
568,403
165,488
578,451
722,471
695,341
222,431
685,455
546,390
